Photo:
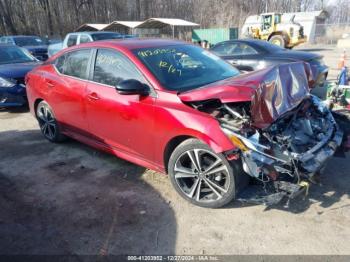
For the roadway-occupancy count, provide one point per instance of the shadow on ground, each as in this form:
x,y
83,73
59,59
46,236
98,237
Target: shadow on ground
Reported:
x,y
70,199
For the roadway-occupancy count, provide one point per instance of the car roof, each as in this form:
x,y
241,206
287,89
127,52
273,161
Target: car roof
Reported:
x,y
261,45
17,36
133,43
94,32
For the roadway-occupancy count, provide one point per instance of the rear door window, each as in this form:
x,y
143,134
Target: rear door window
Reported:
x,y
74,63
111,68
72,40
84,39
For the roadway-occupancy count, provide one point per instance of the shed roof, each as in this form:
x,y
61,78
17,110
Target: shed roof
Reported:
x,y
162,22
129,24
304,16
91,27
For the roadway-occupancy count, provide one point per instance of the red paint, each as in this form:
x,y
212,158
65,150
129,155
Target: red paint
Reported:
x,y
135,128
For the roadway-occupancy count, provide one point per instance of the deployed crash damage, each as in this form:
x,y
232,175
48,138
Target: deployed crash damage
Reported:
x,y
282,134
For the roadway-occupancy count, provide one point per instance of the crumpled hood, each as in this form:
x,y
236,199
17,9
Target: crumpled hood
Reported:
x,y
272,91
282,89
236,89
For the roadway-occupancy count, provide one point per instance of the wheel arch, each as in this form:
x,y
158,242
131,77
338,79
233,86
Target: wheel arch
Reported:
x,y
218,146
170,147
36,103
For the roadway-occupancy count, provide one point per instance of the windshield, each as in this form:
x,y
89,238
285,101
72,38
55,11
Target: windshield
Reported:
x,y
28,41
98,37
13,54
184,67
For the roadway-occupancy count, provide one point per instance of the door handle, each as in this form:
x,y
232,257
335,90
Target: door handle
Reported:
x,y
50,84
93,96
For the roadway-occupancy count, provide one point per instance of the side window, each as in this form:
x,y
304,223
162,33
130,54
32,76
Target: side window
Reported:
x,y
84,39
225,49
72,40
111,67
245,49
59,63
76,63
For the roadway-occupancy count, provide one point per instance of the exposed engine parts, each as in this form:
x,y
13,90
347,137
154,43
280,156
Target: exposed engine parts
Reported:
x,y
292,149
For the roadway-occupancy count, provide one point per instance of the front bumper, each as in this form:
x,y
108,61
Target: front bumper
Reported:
x,y
312,162
13,96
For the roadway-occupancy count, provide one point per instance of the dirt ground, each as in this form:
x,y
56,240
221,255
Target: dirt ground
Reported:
x,y
71,199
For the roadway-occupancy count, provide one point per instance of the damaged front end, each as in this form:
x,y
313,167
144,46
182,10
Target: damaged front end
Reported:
x,y
283,137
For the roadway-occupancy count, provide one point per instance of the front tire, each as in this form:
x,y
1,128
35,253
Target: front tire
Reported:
x,y
201,176
48,124
277,40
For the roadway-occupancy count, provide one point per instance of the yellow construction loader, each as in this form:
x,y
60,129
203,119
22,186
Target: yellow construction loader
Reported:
x,y
270,27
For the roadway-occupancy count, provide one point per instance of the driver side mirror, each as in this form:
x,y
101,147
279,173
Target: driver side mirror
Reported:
x,y
132,87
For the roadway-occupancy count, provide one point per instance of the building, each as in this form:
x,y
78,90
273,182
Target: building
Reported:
x,y
313,23
152,27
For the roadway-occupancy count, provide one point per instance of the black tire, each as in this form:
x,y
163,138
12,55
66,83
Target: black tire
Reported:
x,y
278,40
48,124
207,157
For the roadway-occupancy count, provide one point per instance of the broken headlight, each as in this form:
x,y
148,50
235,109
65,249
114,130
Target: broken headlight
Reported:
x,y
4,82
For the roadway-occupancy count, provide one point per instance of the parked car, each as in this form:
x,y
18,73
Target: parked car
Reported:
x,y
179,109
77,38
34,44
15,62
250,55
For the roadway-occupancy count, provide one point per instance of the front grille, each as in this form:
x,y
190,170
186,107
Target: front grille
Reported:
x,y
20,80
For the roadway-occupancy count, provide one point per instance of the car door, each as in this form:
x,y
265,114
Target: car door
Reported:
x,y
123,122
67,89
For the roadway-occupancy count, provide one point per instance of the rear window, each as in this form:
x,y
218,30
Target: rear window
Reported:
x,y
102,36
84,39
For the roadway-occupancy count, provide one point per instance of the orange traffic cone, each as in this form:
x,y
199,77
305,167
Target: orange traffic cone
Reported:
x,y
342,60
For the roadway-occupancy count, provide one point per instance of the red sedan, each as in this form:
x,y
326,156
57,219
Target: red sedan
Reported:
x,y
176,108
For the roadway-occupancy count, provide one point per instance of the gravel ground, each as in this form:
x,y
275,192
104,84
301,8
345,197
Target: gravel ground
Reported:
x,y
71,199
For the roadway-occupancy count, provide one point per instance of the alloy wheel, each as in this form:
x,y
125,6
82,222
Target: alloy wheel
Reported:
x,y
201,175
47,122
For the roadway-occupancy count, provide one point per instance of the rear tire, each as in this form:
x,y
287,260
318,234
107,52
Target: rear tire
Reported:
x,y
277,40
201,176
48,124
